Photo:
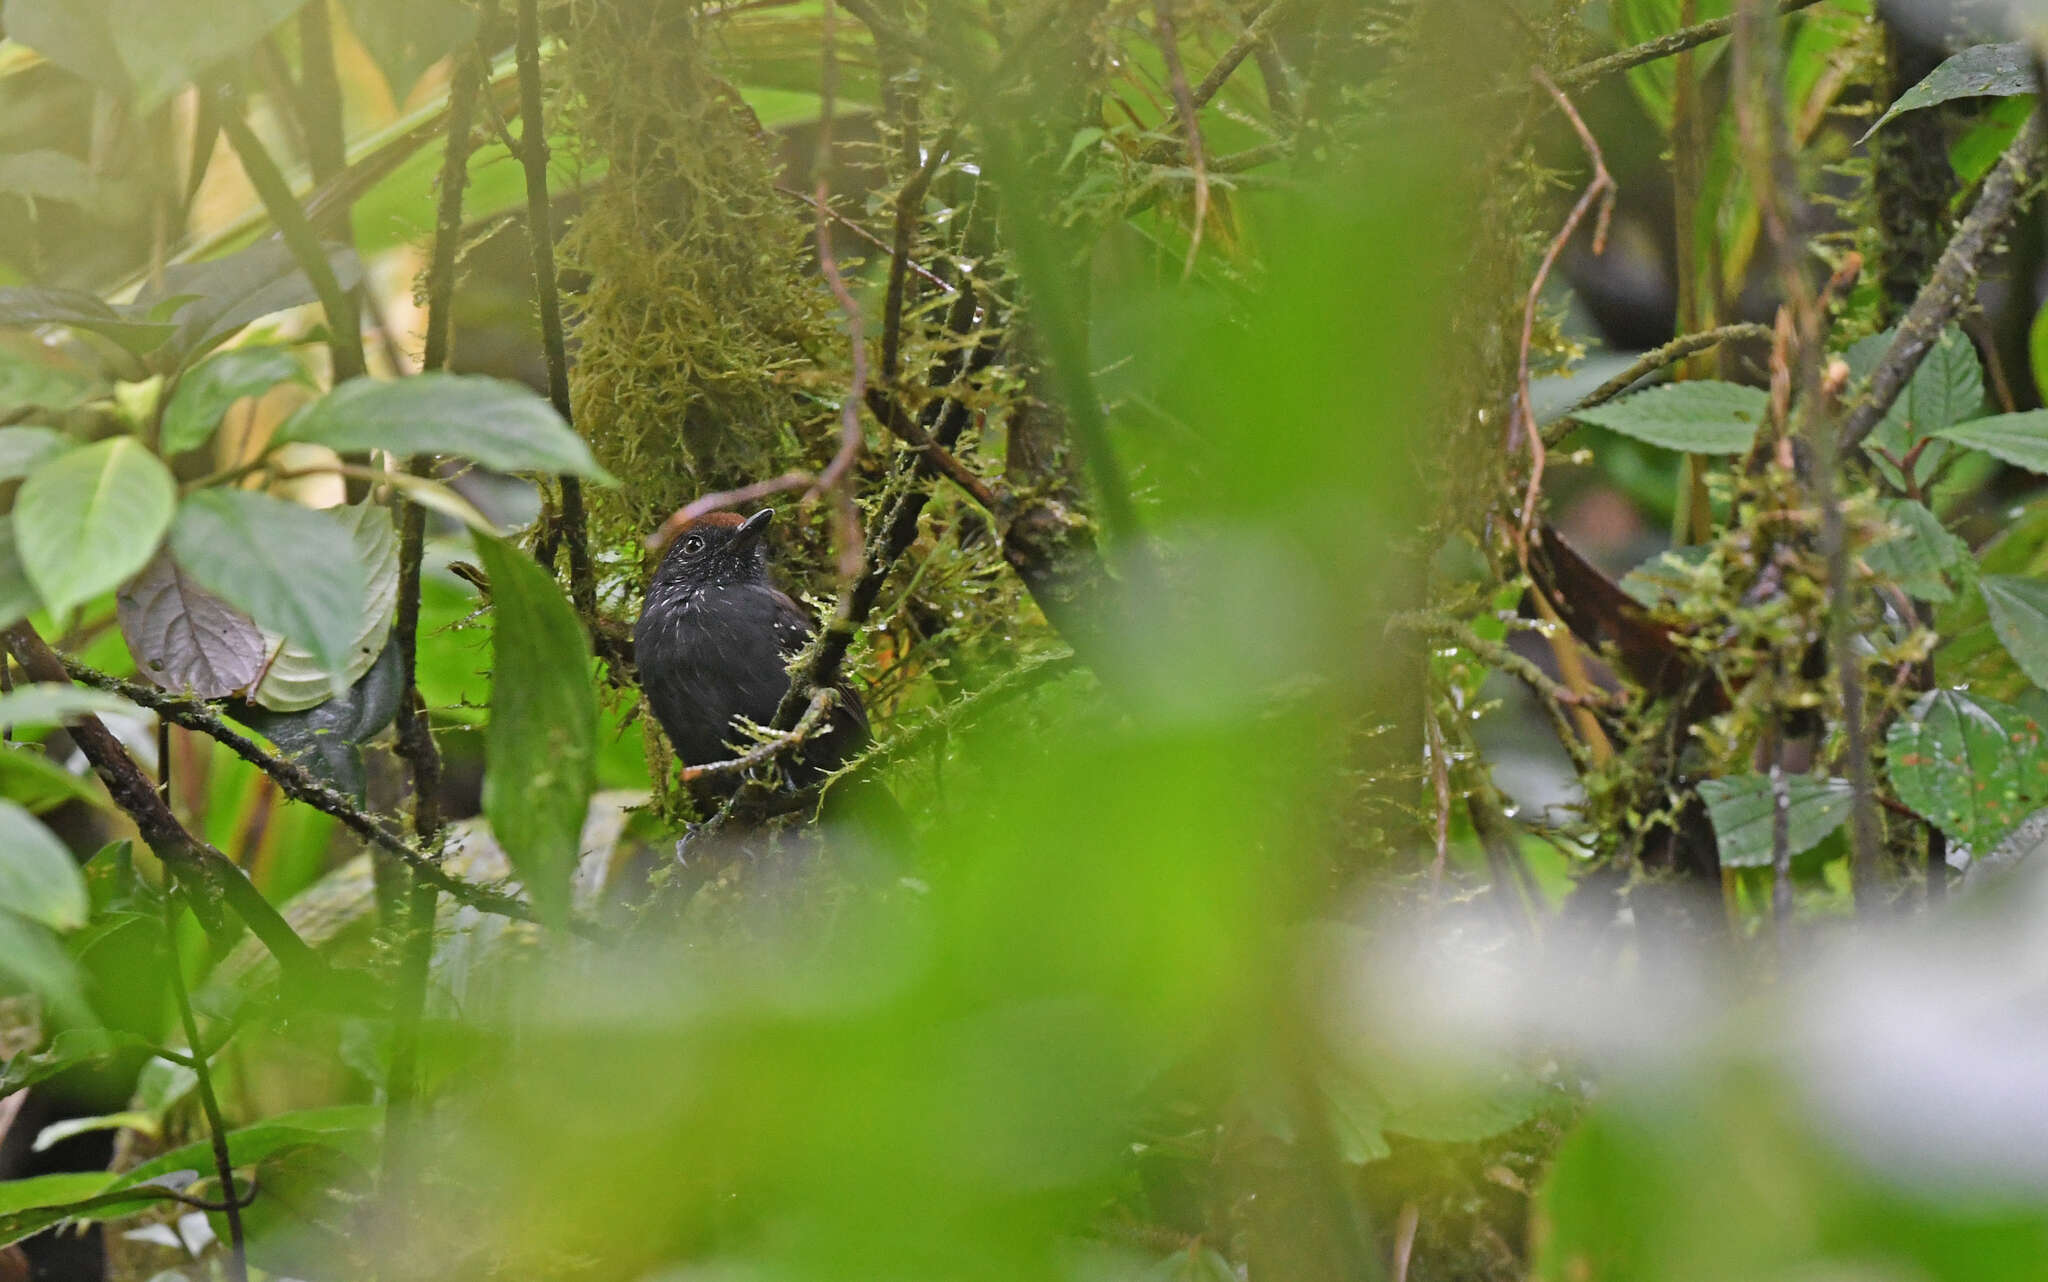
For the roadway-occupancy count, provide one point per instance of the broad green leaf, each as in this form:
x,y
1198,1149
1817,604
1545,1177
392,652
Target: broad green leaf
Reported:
x,y
1742,810
206,392
498,424
1947,389
1655,82
2019,439
210,301
53,703
310,1225
18,597
39,879
90,1207
350,1127
57,1132
1972,768
184,638
144,49
2019,615
20,1199
290,568
1921,555
67,1050
23,449
1981,71
28,307
57,176
31,957
540,748
1973,154
405,37
1701,417
293,680
37,783
87,520
28,382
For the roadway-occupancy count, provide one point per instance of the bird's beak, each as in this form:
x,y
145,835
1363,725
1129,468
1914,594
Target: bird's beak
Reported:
x,y
752,527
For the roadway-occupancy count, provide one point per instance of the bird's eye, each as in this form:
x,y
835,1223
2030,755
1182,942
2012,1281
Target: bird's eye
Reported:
x,y
694,544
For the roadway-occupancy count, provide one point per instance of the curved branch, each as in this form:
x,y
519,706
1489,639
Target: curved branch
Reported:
x,y
1662,47
1953,280
299,784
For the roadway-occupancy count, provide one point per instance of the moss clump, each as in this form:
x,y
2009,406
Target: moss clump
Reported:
x,y
701,324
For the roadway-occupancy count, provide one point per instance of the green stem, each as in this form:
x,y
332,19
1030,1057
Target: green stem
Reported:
x,y
344,327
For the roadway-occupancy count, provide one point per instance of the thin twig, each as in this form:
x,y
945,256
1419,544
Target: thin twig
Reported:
x,y
209,1102
540,231
849,224
1440,777
1600,189
943,461
771,748
415,735
1248,40
214,880
1190,123
909,205
1662,47
344,326
836,481
1649,363
300,785
1951,284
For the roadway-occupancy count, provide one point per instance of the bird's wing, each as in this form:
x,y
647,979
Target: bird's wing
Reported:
x,y
792,623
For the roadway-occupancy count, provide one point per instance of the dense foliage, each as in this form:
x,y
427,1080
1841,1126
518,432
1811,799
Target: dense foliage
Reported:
x,y
1453,595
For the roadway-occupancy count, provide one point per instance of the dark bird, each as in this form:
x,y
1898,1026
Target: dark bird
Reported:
x,y
713,644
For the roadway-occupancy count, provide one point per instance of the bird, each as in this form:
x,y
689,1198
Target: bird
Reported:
x,y
713,644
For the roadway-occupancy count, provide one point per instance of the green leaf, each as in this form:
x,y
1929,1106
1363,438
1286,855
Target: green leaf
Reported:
x,y
1981,71
540,748
1741,808
87,520
145,49
93,1207
31,955
57,1132
290,568
2019,615
39,879
210,301
54,703
499,424
28,307
206,392
293,680
1972,155
37,783
1972,768
1921,555
66,1051
2019,439
18,598
26,382
405,37
344,1126
1702,417
1655,83
23,449
1947,389
24,1202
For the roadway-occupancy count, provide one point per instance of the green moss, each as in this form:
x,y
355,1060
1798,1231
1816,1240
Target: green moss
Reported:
x,y
700,327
